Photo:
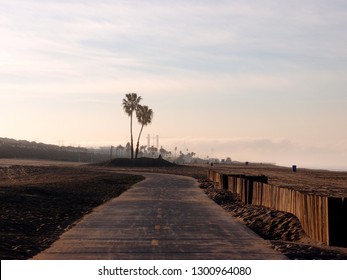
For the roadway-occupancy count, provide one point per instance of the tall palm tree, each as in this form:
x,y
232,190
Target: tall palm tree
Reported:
x,y
130,104
144,116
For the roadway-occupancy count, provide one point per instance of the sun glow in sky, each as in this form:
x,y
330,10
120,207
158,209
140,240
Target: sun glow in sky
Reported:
x,y
252,80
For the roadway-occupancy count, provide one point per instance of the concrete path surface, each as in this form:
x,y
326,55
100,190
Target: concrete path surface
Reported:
x,y
162,217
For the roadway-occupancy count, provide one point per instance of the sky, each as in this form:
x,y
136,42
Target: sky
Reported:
x,y
259,81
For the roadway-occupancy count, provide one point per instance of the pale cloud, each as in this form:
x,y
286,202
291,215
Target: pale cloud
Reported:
x,y
113,36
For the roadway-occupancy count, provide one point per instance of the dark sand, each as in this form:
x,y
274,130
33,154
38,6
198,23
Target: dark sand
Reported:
x,y
37,204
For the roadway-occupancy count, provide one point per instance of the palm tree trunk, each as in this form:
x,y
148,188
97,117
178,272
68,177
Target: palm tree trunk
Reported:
x,y
138,143
131,135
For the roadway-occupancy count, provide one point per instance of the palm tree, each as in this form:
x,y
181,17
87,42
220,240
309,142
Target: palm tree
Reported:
x,y
130,104
144,116
128,149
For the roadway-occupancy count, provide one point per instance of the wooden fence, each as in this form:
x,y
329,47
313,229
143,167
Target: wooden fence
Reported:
x,y
323,218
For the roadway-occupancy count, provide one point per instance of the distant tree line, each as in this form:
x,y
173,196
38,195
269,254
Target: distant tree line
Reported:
x,y
10,148
23,149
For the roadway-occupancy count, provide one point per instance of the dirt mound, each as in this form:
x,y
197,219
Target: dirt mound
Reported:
x,y
139,162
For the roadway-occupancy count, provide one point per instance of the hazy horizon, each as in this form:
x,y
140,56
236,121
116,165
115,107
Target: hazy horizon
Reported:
x,y
260,82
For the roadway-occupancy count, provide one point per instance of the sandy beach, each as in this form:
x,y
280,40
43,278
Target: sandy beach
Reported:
x,y
41,200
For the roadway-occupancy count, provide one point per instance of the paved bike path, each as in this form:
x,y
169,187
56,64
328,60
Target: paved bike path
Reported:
x,y
162,217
